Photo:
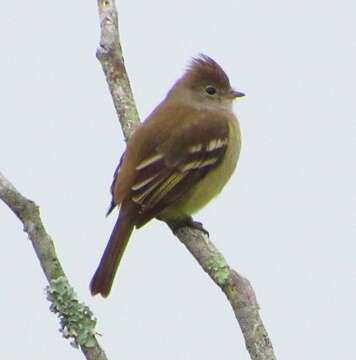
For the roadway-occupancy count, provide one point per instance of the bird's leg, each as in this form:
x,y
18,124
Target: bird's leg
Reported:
x,y
176,224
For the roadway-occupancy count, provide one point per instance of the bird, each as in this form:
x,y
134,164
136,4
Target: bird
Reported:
x,y
175,162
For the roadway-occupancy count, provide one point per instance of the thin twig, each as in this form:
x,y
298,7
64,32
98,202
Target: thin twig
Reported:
x,y
109,53
237,289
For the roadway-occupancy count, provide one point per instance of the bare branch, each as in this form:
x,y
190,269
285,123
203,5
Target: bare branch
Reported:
x,y
77,321
109,53
237,289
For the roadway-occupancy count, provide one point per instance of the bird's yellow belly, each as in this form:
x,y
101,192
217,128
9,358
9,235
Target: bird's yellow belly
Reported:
x,y
212,184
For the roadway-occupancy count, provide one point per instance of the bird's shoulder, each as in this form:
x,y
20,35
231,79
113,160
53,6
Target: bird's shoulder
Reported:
x,y
172,128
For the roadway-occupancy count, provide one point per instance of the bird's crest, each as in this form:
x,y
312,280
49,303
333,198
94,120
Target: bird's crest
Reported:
x,y
203,70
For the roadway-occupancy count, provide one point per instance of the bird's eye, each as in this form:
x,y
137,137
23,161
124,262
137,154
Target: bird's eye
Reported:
x,y
210,90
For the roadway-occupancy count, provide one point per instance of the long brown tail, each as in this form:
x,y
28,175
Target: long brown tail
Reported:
x,y
104,276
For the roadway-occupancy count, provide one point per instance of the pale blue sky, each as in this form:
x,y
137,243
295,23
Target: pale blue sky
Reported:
x,y
286,220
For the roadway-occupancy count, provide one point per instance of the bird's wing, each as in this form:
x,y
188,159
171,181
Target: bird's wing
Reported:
x,y
178,163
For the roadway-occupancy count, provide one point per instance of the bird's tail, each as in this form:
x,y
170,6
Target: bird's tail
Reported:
x,y
104,276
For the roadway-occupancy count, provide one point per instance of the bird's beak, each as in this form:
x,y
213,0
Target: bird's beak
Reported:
x,y
236,94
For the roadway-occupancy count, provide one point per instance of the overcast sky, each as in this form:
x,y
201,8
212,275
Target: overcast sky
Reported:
x,y
286,220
